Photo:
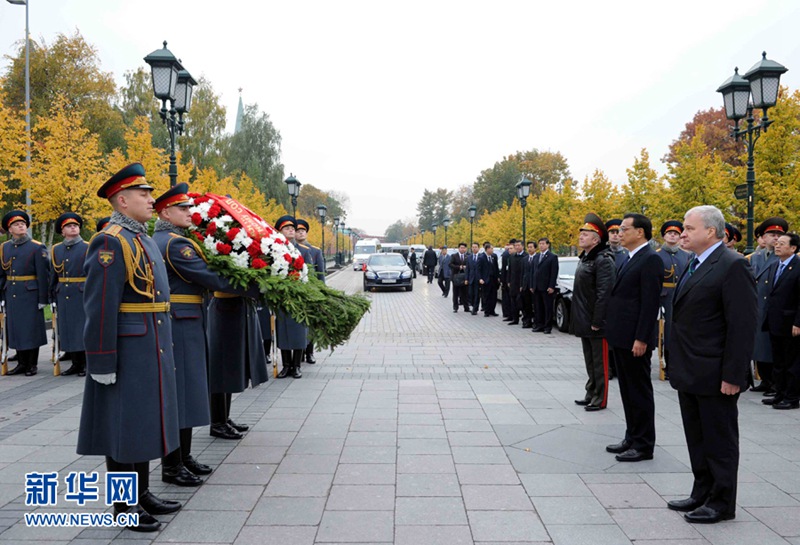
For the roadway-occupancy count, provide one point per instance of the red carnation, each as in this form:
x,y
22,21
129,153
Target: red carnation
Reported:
x,y
211,229
254,249
259,263
294,274
299,262
223,248
287,258
214,211
197,219
232,233
199,235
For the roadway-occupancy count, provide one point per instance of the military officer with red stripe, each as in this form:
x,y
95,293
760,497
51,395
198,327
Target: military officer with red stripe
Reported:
x,y
67,283
130,412
24,277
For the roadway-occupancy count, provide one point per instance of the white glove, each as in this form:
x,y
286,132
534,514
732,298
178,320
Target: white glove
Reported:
x,y
104,378
41,306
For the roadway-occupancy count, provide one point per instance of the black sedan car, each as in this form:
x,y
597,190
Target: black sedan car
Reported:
x,y
387,271
566,280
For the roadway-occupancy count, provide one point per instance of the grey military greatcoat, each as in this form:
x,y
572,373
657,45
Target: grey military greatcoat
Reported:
x,y
760,264
292,335
24,277
67,284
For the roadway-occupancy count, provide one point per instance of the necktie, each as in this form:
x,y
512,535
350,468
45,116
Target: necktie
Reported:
x,y
779,272
689,272
624,262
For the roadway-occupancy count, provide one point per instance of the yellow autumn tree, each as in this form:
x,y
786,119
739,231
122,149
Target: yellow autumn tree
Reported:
x,y
66,168
601,196
12,152
139,149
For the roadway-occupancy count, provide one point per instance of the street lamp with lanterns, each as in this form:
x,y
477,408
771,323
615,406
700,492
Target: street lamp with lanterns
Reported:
x,y
757,89
523,191
322,211
336,221
473,210
344,241
293,185
27,98
434,226
446,223
173,83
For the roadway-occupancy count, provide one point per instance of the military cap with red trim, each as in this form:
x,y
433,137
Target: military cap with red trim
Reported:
x,y
593,223
671,225
68,218
774,225
15,216
301,223
175,196
130,177
283,221
102,222
737,234
613,225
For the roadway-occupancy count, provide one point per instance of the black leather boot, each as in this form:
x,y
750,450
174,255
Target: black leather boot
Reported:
x,y
241,428
286,360
156,506
224,431
310,354
196,467
147,522
180,476
297,358
18,370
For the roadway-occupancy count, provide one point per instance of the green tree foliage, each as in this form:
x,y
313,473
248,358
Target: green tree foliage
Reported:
x,y
394,233
255,150
136,100
311,196
69,67
644,189
433,207
204,142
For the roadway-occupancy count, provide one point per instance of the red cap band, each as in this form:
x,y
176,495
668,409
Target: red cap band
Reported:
x,y
125,184
180,198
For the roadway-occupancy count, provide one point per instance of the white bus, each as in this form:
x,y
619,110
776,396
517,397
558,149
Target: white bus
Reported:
x,y
365,248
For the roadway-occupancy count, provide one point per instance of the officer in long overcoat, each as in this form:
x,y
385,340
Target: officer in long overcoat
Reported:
x,y
67,283
189,280
760,262
675,263
291,336
24,277
130,407
318,261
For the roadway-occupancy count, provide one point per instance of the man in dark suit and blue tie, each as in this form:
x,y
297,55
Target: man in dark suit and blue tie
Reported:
x,y
713,333
473,279
631,331
782,320
488,274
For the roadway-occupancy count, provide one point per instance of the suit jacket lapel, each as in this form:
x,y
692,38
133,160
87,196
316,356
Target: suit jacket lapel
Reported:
x,y
704,268
627,265
774,268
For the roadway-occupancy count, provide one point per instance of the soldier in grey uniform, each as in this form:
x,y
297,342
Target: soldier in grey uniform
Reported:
x,y
760,261
130,405
317,260
24,277
675,263
66,287
291,336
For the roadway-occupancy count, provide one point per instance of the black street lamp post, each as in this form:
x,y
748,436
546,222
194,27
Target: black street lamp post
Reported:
x,y
344,241
293,185
434,226
336,235
762,83
472,211
171,82
523,190
422,233
322,211
446,223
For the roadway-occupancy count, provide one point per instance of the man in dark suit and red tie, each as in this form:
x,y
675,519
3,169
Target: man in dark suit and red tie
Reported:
x,y
782,320
631,330
713,333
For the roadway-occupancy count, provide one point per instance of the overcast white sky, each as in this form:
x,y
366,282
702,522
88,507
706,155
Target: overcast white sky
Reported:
x,y
384,99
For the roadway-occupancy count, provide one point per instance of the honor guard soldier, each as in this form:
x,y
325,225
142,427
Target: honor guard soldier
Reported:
x,y
732,237
189,280
761,262
102,222
291,336
614,241
67,283
675,263
317,260
130,407
24,278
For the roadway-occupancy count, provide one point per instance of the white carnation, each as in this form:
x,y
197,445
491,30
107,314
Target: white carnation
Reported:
x,y
241,260
211,244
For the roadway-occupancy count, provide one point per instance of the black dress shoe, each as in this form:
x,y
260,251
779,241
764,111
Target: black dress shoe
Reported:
x,y
622,446
689,504
513,322
156,506
224,431
770,393
241,428
771,400
310,359
31,371
506,319
537,329
296,372
547,331
763,387
285,371
147,522
18,370
180,476
633,455
455,310
82,372
707,515
593,408
474,312
786,405
73,370
582,402
196,467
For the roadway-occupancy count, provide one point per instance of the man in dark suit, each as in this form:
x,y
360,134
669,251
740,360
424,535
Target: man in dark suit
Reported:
x,y
412,262
429,263
631,331
527,285
458,271
488,273
473,279
544,278
514,282
713,333
505,302
782,320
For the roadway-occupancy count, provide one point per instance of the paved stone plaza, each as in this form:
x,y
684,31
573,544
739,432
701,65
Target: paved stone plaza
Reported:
x,y
428,428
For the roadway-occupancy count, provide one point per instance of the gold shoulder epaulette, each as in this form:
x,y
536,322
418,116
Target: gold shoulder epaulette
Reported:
x,y
748,256
113,230
36,242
